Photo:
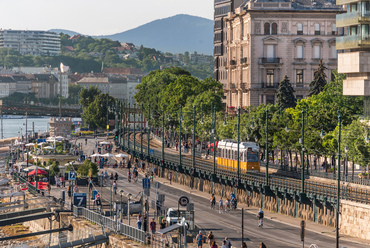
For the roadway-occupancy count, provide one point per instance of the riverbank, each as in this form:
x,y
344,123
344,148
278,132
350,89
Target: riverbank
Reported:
x,y
7,142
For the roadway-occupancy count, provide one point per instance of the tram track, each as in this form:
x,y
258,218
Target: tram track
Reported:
x,y
311,187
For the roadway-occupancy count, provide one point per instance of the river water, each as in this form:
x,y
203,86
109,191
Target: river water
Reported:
x,y
17,127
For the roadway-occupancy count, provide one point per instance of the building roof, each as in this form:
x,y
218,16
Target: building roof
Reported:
x,y
94,80
20,78
75,77
6,79
44,77
70,48
296,4
125,71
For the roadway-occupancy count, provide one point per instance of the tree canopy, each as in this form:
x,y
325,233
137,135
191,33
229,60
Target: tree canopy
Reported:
x,y
319,81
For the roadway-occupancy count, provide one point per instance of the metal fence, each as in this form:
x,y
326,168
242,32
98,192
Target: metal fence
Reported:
x,y
111,224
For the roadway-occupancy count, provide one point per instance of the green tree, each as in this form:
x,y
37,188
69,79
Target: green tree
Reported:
x,y
87,96
285,94
319,81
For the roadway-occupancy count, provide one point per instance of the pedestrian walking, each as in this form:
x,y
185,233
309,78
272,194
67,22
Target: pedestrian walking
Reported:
x,y
224,244
111,178
214,245
49,188
115,187
170,177
152,226
260,216
213,201
90,185
244,245
75,189
163,223
248,201
221,206
210,237
139,221
199,239
228,243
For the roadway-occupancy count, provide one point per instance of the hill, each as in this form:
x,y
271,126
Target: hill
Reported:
x,y
175,34
64,31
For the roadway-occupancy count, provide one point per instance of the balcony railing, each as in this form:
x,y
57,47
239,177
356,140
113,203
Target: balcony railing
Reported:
x,y
232,62
270,60
352,18
270,85
352,41
243,60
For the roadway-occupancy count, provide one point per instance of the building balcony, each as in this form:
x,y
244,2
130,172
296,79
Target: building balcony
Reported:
x,y
270,61
269,85
243,61
232,62
352,42
352,18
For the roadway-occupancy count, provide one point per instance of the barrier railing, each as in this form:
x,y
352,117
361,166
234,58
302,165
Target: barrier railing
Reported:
x,y
111,224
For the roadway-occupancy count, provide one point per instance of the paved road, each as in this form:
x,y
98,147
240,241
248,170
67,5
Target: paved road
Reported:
x,y
274,233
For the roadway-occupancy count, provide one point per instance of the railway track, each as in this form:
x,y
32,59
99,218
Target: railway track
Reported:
x,y
326,191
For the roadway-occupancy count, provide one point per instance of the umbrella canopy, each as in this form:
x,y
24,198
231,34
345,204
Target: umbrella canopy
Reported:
x,y
60,167
38,172
211,145
105,143
121,155
33,167
95,155
49,147
60,137
30,144
22,164
42,143
109,155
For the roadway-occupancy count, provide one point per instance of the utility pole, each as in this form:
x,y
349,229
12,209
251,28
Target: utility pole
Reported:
x,y
193,147
180,135
163,134
60,94
238,155
148,136
141,130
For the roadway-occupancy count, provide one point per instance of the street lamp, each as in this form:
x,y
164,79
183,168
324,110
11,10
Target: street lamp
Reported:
x,y
121,192
345,172
128,206
338,178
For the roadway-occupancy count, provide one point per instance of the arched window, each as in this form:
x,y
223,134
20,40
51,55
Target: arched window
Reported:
x,y
299,29
317,29
267,28
274,28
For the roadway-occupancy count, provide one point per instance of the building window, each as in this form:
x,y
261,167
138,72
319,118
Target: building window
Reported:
x,y
274,28
317,51
270,51
299,77
267,28
300,52
334,29
333,52
317,29
270,77
299,28
270,99
353,30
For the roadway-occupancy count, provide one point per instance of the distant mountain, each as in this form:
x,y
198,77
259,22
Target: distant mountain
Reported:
x,y
64,31
175,34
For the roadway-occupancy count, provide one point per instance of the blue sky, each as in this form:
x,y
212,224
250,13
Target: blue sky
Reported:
x,y
95,17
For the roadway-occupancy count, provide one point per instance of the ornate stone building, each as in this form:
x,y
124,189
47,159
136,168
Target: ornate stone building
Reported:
x,y
269,39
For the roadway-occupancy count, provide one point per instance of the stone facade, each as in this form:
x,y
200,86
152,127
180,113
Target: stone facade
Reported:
x,y
268,40
60,126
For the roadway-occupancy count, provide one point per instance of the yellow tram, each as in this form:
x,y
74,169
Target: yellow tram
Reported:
x,y
248,156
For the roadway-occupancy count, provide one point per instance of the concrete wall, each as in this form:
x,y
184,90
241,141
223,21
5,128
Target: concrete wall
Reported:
x,y
354,219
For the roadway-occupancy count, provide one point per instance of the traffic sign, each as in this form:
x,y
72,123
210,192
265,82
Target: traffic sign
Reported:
x,y
184,201
146,183
73,132
72,175
151,151
79,199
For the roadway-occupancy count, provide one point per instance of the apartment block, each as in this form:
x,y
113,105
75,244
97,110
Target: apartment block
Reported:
x,y
266,40
28,42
